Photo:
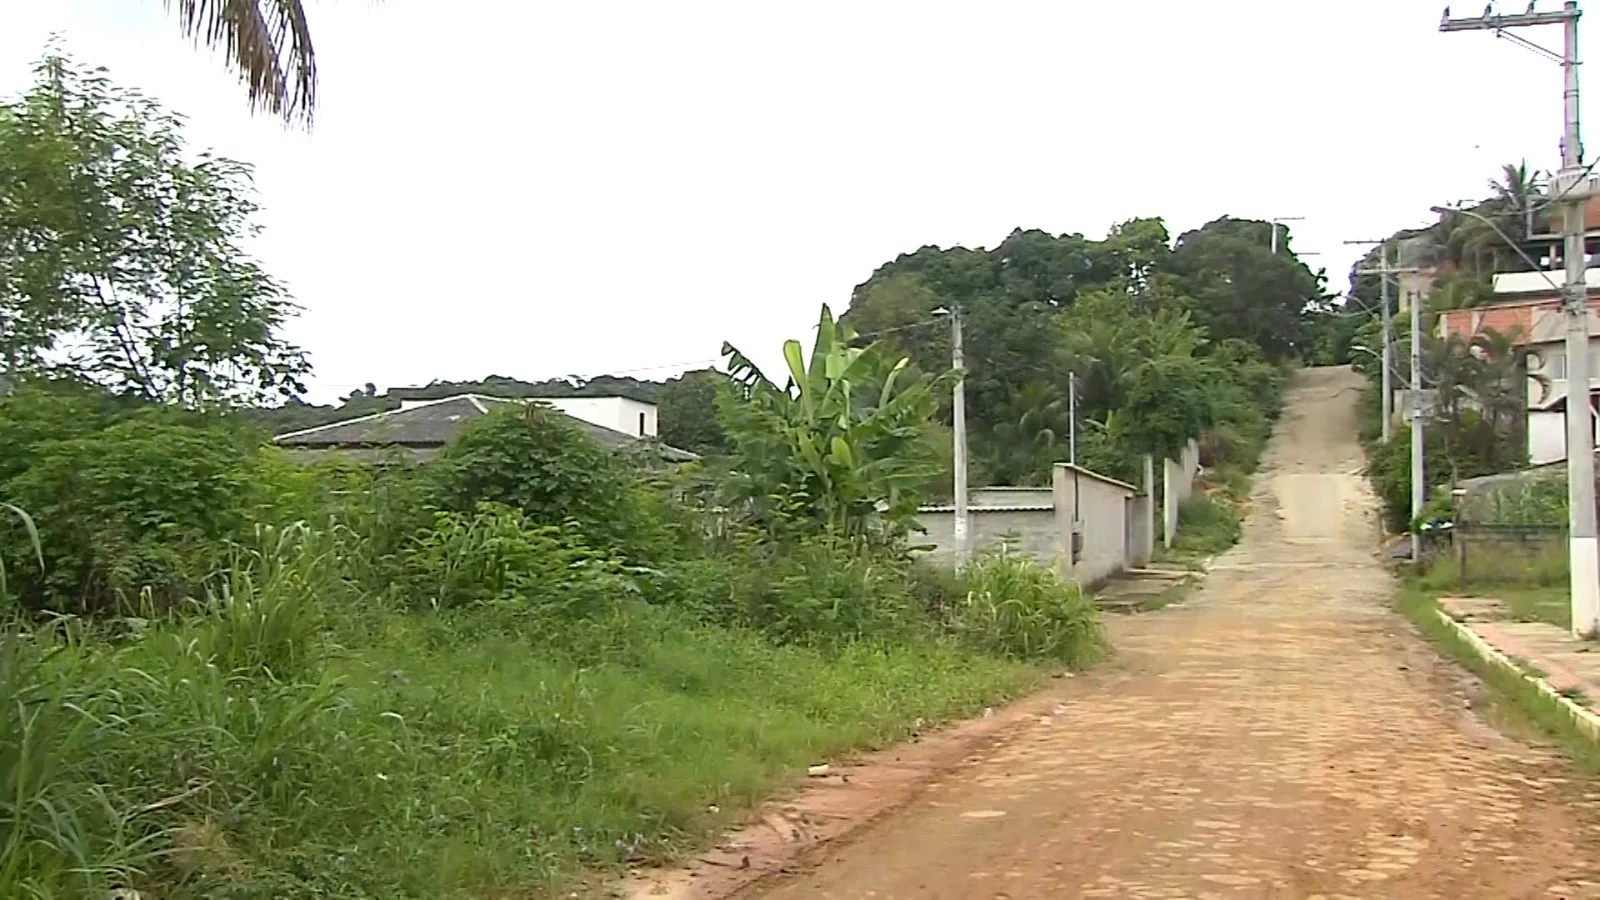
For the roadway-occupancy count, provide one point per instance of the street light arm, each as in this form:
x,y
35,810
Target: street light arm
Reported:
x,y
1443,210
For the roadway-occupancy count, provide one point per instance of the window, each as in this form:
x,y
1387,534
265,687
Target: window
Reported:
x,y
641,424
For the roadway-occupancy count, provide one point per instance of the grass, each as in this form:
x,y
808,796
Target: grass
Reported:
x,y
442,754
1207,524
1552,605
1533,589
1517,706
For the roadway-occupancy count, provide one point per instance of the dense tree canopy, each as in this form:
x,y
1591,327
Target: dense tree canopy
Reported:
x,y
1140,321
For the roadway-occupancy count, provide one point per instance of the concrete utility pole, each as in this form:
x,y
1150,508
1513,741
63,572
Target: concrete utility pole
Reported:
x,y
958,417
1384,272
1574,186
1275,223
1419,484
1072,417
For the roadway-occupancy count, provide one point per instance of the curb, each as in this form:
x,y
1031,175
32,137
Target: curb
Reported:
x,y
1587,721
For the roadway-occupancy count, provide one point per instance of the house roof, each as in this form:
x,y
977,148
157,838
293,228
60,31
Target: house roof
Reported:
x,y
432,423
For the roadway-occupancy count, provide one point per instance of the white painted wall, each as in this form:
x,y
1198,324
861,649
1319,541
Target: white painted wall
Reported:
x,y
1547,437
1104,508
617,413
1177,484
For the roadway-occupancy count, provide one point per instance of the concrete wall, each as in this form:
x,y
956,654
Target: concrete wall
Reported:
x,y
1105,510
1177,485
1031,531
1547,437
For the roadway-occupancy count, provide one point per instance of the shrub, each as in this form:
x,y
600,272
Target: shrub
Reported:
x,y
494,555
821,589
540,463
1016,608
1207,525
143,503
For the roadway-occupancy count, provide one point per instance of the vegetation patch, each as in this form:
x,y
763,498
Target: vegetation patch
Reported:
x,y
1207,525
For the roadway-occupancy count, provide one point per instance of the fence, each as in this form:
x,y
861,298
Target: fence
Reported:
x,y
1488,554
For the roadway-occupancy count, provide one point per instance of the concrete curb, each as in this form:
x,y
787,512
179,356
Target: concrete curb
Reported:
x,y
1587,720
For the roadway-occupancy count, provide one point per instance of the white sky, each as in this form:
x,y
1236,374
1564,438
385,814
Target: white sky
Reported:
x,y
535,189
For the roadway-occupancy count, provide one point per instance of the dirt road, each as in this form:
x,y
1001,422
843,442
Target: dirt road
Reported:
x,y
1281,734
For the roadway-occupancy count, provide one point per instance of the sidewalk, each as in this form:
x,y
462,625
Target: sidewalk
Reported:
x,y
1546,653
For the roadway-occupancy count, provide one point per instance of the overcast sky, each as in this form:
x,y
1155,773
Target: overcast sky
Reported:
x,y
536,189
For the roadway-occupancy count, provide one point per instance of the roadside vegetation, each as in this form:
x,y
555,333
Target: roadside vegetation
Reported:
x,y
229,672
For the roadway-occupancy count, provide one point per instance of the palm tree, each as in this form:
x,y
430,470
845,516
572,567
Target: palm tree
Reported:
x,y
1519,190
267,42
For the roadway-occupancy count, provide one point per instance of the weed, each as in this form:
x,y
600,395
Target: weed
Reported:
x,y
1207,525
1017,608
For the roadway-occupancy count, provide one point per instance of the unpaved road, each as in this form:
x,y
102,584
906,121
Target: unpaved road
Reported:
x,y
1281,734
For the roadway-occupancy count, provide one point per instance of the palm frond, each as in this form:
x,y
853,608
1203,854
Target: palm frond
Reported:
x,y
268,42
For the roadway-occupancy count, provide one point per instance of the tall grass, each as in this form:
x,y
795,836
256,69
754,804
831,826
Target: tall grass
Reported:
x,y
1207,525
1016,608
32,532
263,612
229,751
63,832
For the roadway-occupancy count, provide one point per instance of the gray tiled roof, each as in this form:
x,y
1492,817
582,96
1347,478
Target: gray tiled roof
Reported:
x,y
430,425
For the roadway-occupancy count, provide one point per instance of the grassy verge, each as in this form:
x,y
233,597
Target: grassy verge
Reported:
x,y
450,756
1211,520
1516,706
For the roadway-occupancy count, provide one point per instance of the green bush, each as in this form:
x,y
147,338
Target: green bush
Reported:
x,y
495,556
817,589
1016,608
540,463
141,504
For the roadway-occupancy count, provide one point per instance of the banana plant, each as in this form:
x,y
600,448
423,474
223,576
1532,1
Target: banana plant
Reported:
x,y
844,434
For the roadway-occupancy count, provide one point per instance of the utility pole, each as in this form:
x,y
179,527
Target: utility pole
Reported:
x,y
1384,272
958,416
1574,186
1275,223
1419,484
1072,417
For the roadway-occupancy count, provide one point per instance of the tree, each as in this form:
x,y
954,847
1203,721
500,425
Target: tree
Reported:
x,y
688,412
123,260
267,42
1030,436
843,442
1241,289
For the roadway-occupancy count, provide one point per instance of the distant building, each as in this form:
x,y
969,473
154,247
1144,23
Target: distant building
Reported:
x,y
1528,304
422,427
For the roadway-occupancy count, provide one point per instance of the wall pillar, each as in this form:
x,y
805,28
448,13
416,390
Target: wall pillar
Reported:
x,y
1149,549
1171,484
1061,494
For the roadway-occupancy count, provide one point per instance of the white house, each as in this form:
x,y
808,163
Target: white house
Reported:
x,y
622,414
